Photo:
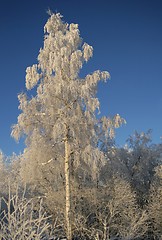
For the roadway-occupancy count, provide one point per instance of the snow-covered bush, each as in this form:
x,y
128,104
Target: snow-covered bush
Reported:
x,y
23,219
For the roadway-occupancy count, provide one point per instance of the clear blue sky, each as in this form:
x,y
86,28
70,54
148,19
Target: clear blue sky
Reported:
x,y
127,41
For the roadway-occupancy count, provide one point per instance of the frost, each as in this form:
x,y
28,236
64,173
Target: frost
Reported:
x,y
87,51
32,77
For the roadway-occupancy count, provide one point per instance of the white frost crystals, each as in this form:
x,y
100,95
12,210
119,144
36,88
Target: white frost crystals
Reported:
x,y
62,97
32,76
59,62
87,51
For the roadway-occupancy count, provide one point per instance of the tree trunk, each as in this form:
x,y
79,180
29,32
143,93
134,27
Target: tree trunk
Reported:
x,y
67,190
105,229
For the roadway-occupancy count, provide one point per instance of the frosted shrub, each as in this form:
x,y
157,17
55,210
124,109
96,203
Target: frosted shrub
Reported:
x,y
20,220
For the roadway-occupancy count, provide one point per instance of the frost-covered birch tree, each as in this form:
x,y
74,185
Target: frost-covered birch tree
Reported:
x,y
62,114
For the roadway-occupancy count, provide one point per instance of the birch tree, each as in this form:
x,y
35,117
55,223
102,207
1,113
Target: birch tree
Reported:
x,y
62,114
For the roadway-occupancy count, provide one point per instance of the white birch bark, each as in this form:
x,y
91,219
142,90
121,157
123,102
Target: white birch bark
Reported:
x,y
67,189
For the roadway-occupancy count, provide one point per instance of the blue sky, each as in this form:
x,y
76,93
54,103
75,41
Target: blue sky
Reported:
x,y
127,40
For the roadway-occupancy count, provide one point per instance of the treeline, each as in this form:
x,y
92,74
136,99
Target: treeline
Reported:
x,y
123,202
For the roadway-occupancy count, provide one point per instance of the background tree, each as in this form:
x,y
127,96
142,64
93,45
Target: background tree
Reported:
x,y
61,118
112,213
140,159
4,175
155,204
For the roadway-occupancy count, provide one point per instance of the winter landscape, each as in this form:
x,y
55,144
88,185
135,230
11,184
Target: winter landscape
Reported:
x,y
71,175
